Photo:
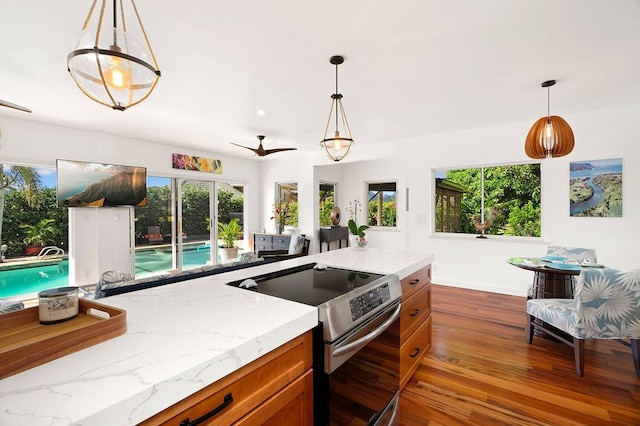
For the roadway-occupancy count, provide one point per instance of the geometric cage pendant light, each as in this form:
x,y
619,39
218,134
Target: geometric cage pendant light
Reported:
x,y
338,144
550,136
112,62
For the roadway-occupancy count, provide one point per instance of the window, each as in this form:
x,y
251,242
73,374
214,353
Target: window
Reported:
x,y
30,217
287,194
381,201
326,201
504,199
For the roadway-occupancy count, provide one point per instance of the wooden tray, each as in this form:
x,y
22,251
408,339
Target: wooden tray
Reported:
x,y
25,343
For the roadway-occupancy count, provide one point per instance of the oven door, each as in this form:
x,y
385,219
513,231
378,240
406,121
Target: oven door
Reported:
x,y
363,388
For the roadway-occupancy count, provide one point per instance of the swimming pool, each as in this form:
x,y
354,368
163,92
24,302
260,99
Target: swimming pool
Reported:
x,y
16,282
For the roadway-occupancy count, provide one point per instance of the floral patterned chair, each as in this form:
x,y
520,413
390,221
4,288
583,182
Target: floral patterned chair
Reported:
x,y
578,254
605,305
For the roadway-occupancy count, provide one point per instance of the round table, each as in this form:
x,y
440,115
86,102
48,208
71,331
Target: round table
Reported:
x,y
547,282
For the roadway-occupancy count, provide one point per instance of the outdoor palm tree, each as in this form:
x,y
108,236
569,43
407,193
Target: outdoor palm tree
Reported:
x,y
23,179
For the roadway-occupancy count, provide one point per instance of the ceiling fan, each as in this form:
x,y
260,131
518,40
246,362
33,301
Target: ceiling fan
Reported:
x,y
14,106
260,151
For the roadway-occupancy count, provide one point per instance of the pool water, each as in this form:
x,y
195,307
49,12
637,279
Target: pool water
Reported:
x,y
22,281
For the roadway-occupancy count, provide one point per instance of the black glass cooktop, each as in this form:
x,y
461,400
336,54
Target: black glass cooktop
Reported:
x,y
307,285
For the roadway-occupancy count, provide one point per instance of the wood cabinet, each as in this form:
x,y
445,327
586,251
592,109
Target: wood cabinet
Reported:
x,y
277,388
270,242
415,322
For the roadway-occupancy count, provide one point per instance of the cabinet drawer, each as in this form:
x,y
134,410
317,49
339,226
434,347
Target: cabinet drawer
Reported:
x,y
262,242
281,242
412,351
415,281
293,405
415,310
249,386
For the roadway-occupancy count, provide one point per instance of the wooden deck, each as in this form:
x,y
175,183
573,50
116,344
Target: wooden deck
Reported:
x,y
481,371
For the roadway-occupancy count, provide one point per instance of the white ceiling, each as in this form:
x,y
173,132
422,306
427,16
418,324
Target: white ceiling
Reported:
x,y
412,67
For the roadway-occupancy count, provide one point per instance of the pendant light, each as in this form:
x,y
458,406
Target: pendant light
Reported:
x,y
338,146
108,64
550,136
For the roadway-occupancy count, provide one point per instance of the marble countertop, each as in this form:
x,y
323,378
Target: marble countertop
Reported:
x,y
180,338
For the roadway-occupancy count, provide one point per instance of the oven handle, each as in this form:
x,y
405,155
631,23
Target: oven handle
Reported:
x,y
369,337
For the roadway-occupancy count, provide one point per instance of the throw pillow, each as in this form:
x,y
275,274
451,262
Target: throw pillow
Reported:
x,y
296,245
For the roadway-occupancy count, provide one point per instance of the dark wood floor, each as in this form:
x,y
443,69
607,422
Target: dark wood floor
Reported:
x,y
481,371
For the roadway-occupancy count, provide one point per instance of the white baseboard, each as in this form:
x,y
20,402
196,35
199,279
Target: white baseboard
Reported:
x,y
480,286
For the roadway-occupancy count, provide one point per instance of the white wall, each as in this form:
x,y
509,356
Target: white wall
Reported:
x,y
94,250
459,260
481,264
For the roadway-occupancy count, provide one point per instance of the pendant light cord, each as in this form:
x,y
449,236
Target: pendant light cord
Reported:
x,y
337,99
548,104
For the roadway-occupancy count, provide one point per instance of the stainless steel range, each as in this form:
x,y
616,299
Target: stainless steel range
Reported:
x,y
357,341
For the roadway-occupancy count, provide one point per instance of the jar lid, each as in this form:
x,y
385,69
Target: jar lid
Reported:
x,y
58,291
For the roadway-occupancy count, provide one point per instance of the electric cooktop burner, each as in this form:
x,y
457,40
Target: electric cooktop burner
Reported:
x,y
308,285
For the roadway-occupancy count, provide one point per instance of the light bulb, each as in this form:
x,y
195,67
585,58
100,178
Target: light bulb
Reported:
x,y
337,145
548,136
116,75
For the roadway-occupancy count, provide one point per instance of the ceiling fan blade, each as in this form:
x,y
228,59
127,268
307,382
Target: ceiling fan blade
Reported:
x,y
246,147
14,106
272,151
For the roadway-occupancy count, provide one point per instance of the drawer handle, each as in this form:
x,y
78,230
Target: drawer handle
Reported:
x,y
415,353
414,282
228,399
414,313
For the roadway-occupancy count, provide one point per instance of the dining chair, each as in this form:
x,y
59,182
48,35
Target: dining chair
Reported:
x,y
577,254
605,305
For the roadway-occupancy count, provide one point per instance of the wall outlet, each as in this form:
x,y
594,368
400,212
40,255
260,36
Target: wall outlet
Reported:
x,y
421,219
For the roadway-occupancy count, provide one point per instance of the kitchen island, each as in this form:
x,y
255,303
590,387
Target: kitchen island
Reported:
x,y
180,338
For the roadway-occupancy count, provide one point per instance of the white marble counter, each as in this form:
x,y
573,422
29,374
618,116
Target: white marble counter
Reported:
x,y
180,338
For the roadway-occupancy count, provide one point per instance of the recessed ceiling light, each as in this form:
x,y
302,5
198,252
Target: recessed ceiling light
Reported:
x,y
261,112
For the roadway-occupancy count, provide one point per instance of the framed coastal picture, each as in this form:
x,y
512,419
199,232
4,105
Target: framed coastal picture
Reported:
x,y
595,188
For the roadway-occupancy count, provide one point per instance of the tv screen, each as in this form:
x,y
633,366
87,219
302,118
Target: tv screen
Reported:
x,y
82,184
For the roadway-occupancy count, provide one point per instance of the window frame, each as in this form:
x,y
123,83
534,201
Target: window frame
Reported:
x,y
435,174
368,190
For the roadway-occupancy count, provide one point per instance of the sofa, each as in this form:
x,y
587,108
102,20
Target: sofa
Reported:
x,y
114,282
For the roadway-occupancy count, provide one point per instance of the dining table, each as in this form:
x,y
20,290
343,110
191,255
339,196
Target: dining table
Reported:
x,y
552,278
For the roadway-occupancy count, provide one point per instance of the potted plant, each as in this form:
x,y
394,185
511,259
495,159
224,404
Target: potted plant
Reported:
x,y
357,238
39,235
229,233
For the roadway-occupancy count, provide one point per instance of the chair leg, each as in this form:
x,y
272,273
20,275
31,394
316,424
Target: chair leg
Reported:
x,y
529,329
635,352
578,352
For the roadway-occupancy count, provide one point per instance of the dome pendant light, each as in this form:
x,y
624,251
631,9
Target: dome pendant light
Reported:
x,y
108,64
338,146
550,136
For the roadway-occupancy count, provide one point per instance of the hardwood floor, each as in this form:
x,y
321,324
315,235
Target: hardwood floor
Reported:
x,y
481,371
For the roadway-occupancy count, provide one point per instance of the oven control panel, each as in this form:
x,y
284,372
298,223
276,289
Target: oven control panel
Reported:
x,y
369,301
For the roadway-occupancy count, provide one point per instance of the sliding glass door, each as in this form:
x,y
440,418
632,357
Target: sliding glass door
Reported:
x,y
177,230
195,230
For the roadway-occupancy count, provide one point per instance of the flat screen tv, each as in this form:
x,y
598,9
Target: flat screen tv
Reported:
x,y
82,184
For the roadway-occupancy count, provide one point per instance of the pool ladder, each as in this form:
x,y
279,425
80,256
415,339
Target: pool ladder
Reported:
x,y
49,251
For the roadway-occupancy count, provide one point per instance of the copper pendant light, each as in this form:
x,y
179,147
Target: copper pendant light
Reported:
x,y
550,136
338,146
